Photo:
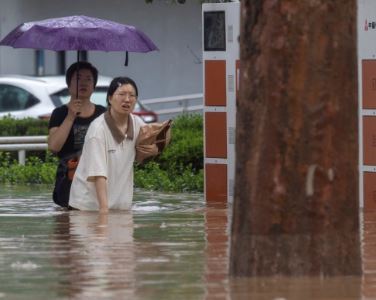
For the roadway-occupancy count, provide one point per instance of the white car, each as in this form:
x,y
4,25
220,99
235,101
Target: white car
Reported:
x,y
36,97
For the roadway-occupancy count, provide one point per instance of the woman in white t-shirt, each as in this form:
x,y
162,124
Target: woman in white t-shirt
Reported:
x,y
104,176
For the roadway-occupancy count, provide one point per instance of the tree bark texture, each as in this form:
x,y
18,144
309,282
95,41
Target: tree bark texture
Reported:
x,y
296,191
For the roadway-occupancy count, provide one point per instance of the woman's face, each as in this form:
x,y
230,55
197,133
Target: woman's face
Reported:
x,y
85,84
124,99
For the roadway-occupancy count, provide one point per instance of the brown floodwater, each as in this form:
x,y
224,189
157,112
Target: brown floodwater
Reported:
x,y
169,246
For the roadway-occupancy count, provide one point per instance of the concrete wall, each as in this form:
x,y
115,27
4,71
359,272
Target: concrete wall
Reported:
x,y
176,30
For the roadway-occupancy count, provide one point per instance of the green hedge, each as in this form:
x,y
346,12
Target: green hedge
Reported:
x,y
179,168
35,171
23,127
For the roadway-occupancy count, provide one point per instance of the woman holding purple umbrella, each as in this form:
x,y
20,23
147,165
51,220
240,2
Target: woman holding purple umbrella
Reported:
x,y
69,123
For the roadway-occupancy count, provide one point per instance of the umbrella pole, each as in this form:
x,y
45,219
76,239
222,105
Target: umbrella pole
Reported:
x,y
77,69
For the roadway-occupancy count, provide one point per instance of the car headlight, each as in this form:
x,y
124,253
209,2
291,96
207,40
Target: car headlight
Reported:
x,y
148,118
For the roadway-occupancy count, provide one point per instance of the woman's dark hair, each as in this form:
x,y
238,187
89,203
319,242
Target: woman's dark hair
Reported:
x,y
118,82
81,65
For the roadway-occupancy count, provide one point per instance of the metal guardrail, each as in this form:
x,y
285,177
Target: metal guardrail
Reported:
x,y
23,144
177,104
23,139
173,98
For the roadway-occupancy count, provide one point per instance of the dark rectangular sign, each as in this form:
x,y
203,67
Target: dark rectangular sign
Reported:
x,y
214,31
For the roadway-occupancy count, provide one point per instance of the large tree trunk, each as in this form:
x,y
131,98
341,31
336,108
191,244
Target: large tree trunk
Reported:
x,y
296,193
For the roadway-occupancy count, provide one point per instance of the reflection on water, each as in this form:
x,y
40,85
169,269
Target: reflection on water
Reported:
x,y
168,247
216,252
369,255
297,288
99,258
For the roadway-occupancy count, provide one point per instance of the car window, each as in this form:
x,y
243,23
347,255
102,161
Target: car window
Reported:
x,y
13,98
98,97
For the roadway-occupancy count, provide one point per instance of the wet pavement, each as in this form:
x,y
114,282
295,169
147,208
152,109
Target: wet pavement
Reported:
x,y
170,246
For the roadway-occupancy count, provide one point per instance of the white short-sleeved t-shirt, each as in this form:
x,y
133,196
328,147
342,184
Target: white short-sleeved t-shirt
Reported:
x,y
104,155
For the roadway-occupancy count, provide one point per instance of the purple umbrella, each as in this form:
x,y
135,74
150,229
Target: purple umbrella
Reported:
x,y
78,33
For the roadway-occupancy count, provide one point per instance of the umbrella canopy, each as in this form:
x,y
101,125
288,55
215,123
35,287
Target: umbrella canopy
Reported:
x,y
78,33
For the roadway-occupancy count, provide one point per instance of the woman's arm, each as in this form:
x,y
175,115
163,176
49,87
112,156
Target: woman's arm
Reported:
x,y
57,136
101,189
